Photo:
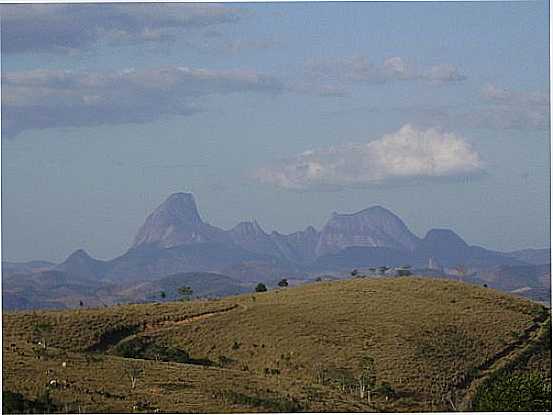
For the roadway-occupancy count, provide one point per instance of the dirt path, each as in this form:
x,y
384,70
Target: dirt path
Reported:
x,y
111,340
157,327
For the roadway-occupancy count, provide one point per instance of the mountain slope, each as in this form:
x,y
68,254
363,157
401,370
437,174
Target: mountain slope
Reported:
x,y
299,246
82,266
532,256
290,349
372,227
251,237
10,268
203,284
177,222
148,263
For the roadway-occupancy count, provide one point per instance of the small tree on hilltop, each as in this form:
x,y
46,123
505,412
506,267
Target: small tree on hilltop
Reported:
x,y
283,283
354,273
186,293
40,331
260,288
162,294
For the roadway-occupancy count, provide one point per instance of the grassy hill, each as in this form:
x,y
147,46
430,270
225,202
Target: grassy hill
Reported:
x,y
422,344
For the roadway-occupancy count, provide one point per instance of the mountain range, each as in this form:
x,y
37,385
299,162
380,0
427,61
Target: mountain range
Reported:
x,y
175,240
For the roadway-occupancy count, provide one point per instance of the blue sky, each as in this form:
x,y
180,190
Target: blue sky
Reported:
x,y
283,112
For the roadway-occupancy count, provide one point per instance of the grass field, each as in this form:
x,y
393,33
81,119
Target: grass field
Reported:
x,y
292,349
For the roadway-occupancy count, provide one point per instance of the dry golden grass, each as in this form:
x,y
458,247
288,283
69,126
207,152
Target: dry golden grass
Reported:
x,y
274,345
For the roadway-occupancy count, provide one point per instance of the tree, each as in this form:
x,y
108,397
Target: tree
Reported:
x,y
186,293
354,273
40,331
367,378
259,288
318,279
404,272
283,283
162,294
134,371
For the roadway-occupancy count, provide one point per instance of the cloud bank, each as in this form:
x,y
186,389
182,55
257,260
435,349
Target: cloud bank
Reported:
x,y
59,28
359,69
400,157
54,98
512,110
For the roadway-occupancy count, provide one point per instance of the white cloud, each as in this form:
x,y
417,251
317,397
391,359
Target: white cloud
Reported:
x,y
407,154
54,98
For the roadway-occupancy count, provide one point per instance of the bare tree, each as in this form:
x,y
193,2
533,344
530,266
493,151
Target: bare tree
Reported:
x,y
367,378
41,330
134,371
320,374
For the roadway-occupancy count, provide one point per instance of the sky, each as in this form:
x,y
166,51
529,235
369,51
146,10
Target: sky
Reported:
x,y
279,112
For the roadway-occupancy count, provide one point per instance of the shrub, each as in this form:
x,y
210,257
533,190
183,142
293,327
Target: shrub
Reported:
x,y
283,283
386,390
224,361
514,392
144,348
15,403
185,293
276,404
259,288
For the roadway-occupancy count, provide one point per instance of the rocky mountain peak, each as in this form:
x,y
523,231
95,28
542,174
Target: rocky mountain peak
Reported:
x,y
371,227
248,228
179,208
176,222
436,237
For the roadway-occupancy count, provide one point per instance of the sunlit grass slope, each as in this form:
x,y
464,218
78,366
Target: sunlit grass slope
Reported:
x,y
297,348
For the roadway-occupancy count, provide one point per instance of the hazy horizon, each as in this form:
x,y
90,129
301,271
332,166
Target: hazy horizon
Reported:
x,y
278,112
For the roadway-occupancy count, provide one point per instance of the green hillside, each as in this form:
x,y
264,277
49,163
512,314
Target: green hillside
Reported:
x,y
416,344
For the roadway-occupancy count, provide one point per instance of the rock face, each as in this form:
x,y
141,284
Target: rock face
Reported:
x,y
177,222
298,246
251,237
372,227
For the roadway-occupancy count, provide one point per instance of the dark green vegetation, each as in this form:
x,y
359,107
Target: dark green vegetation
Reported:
x,y
359,345
522,383
260,288
514,393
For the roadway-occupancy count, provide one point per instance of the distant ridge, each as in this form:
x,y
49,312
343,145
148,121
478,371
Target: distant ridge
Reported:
x,y
174,240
